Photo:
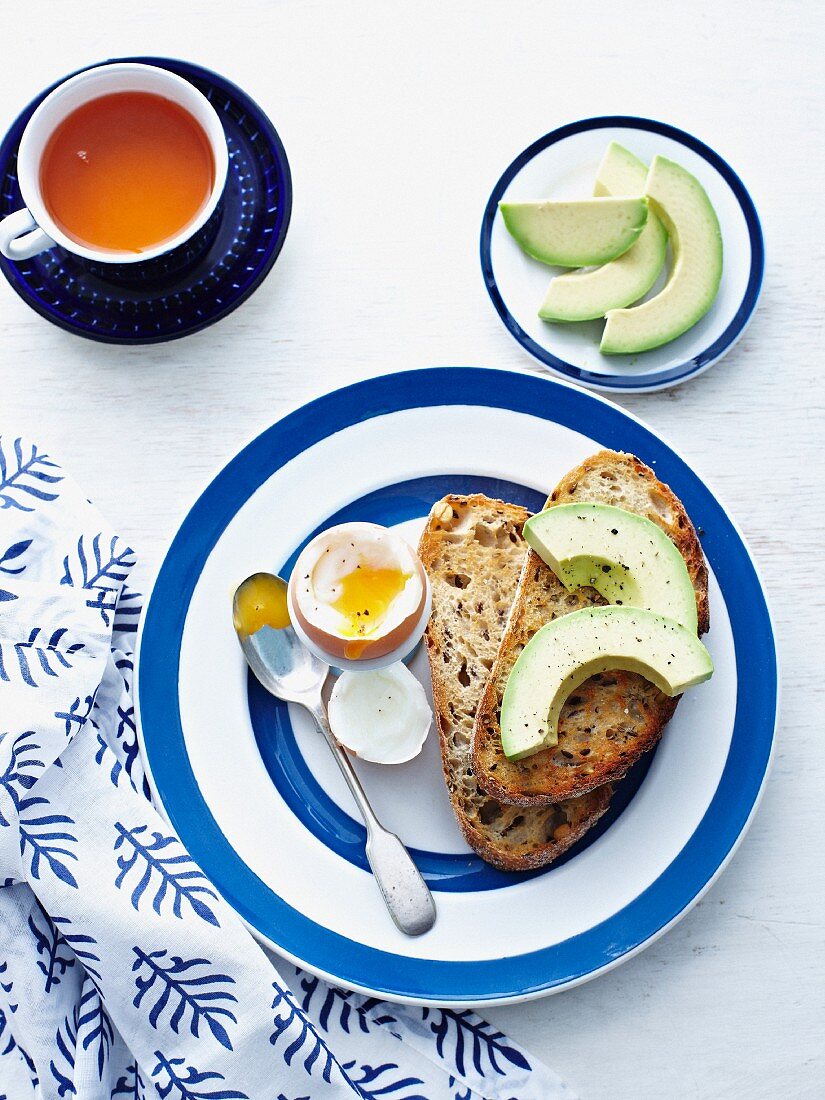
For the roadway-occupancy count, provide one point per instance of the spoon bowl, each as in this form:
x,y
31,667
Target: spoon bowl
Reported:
x,y
277,656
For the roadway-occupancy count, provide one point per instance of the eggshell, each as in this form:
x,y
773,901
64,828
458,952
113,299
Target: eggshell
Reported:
x,y
372,647
382,716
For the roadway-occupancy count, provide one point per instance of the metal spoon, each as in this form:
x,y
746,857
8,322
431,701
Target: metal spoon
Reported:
x,y
287,670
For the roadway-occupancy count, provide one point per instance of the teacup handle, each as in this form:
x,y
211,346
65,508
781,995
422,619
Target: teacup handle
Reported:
x,y
21,236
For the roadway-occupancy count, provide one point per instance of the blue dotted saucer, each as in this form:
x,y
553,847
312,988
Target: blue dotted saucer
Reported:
x,y
197,283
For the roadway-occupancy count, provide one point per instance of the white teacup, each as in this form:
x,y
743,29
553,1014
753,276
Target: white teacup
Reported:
x,y
32,229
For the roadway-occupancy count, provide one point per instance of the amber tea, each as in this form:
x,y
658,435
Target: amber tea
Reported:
x,y
126,172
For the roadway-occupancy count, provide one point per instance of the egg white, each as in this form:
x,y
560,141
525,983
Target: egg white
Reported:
x,y
382,716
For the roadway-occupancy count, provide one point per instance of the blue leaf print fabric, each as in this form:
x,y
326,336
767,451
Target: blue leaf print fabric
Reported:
x,y
122,972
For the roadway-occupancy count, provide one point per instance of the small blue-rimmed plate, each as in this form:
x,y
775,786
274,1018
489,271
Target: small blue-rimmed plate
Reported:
x,y
563,164
255,794
199,282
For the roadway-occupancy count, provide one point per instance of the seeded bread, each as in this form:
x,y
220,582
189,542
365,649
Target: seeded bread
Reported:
x,y
613,718
473,551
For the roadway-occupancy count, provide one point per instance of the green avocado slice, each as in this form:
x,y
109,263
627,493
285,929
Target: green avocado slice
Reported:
x,y
568,650
696,240
586,295
626,557
575,233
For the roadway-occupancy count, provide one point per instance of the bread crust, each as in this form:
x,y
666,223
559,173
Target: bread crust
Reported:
x,y
472,550
613,718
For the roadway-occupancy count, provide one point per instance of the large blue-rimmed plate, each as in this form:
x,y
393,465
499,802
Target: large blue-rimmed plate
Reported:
x,y
251,789
563,164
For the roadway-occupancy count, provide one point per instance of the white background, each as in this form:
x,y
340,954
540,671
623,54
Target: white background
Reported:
x,y
398,119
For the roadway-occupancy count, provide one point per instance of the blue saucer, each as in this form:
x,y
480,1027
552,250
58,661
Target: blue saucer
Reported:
x,y
196,284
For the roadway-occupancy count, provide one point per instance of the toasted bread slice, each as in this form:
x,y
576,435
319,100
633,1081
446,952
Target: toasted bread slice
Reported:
x,y
613,718
473,551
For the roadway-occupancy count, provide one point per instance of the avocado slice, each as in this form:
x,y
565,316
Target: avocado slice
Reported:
x,y
586,295
568,650
696,240
575,233
626,557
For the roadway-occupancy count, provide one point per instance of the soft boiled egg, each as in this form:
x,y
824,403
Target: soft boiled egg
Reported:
x,y
358,592
381,715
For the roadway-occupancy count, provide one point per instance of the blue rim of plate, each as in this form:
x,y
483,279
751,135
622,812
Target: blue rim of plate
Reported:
x,y
198,283
432,980
658,379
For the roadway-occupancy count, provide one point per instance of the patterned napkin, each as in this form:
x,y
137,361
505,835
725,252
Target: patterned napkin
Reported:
x,y
122,973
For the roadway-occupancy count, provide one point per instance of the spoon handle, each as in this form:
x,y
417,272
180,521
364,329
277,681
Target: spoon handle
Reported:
x,y
405,892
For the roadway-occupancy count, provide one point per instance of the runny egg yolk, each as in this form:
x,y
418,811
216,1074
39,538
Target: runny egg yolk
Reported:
x,y
261,601
366,595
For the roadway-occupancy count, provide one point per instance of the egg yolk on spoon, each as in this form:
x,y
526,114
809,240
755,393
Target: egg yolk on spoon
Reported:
x,y
261,601
366,595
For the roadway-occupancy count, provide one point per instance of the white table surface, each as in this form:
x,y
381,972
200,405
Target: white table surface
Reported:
x,y
397,120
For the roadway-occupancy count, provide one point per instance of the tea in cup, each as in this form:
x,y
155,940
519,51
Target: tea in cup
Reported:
x,y
119,164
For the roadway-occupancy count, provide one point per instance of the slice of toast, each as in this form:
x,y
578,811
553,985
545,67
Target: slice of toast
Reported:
x,y
613,718
473,551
